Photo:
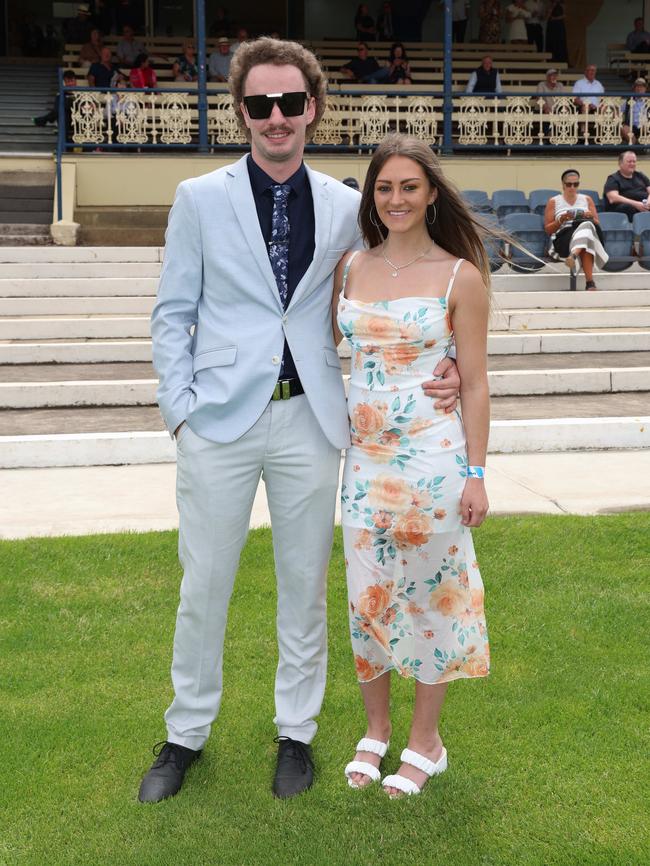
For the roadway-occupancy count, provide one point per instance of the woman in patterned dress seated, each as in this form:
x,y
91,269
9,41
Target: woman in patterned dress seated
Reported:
x,y
413,480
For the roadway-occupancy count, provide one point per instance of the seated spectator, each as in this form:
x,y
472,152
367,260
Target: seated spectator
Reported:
x,y
630,129
69,80
517,15
242,35
484,79
117,103
219,65
571,220
638,41
549,85
77,30
364,69
385,29
185,67
128,48
627,190
399,70
588,84
364,23
102,74
143,74
91,51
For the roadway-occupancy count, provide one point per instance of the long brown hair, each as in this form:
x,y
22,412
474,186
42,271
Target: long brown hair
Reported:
x,y
455,229
279,52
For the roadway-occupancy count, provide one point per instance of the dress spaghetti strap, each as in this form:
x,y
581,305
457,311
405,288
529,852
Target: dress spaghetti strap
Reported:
x,y
346,271
452,278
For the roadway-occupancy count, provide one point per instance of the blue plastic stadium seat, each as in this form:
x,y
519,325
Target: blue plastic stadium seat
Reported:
x,y
619,237
528,229
538,199
507,201
641,229
478,200
595,197
493,246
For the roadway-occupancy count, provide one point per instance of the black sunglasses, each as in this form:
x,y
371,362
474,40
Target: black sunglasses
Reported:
x,y
572,183
290,104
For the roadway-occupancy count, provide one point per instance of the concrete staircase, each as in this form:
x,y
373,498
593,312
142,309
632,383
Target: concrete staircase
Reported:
x,y
26,199
568,370
26,90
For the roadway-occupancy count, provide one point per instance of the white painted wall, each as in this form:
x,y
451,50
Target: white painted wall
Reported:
x,y
614,22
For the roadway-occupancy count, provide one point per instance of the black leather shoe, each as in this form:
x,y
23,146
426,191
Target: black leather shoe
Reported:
x,y
167,772
294,772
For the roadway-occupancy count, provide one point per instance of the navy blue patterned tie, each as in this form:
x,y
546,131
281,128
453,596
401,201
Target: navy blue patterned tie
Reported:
x,y
279,243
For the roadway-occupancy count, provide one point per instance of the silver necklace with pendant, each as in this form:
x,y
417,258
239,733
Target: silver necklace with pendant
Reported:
x,y
397,268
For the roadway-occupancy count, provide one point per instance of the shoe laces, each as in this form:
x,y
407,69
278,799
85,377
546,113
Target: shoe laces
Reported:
x,y
167,752
295,749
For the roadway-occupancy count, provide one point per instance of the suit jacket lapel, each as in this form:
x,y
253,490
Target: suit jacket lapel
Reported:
x,y
243,204
322,229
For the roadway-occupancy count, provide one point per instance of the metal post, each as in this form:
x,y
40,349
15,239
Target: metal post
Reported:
x,y
60,142
447,81
202,82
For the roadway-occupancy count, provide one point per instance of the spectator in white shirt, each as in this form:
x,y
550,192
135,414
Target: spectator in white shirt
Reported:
x,y
588,85
459,10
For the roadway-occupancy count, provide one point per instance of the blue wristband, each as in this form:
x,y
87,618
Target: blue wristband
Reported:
x,y
476,471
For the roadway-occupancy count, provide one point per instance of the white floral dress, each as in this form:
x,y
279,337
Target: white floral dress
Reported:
x,y
414,586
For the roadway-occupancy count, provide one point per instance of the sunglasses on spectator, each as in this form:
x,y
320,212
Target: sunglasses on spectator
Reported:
x,y
291,104
572,183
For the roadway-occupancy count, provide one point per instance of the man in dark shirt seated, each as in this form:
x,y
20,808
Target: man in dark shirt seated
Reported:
x,y
627,190
485,78
365,70
101,74
638,41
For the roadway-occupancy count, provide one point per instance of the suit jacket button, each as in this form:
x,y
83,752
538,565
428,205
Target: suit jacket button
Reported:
x,y
275,359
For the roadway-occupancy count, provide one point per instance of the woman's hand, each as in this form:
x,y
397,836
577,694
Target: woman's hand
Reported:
x,y
473,503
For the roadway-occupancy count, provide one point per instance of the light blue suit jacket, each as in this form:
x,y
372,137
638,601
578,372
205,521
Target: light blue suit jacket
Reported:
x,y
218,326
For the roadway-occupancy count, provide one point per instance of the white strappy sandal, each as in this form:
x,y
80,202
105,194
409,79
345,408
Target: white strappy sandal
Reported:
x,y
408,786
376,747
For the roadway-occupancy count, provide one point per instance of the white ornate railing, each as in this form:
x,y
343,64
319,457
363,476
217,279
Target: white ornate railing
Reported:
x,y
127,117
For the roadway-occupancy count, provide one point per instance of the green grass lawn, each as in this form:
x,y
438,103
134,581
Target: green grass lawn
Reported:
x,y
549,757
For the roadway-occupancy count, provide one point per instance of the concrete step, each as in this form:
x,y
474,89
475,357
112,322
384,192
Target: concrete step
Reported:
x,y
73,287
95,351
37,216
525,320
60,255
555,277
135,305
128,237
142,392
73,328
13,228
75,270
114,217
25,192
137,447
125,419
528,299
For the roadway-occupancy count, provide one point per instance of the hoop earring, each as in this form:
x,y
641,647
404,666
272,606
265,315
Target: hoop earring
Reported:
x,y
376,224
435,214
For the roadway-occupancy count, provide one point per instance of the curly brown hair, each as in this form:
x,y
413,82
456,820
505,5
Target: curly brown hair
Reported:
x,y
280,53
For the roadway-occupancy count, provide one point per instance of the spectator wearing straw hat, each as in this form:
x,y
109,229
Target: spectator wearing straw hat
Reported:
x,y
635,113
77,30
549,85
219,64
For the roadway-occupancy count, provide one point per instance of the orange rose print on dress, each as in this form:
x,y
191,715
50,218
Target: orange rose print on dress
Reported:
x,y
449,599
363,540
372,603
440,513
382,519
428,634
389,493
412,529
475,667
453,550
364,668
412,332
421,499
445,443
476,600
401,356
414,609
418,425
390,438
369,418
389,616
376,451
376,328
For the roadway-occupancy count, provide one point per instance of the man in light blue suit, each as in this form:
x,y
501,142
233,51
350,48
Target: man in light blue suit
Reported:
x,y
251,386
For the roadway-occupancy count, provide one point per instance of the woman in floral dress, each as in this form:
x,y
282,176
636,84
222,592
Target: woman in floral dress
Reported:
x,y
413,480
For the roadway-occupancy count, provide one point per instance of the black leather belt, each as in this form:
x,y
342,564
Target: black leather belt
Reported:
x,y
287,388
